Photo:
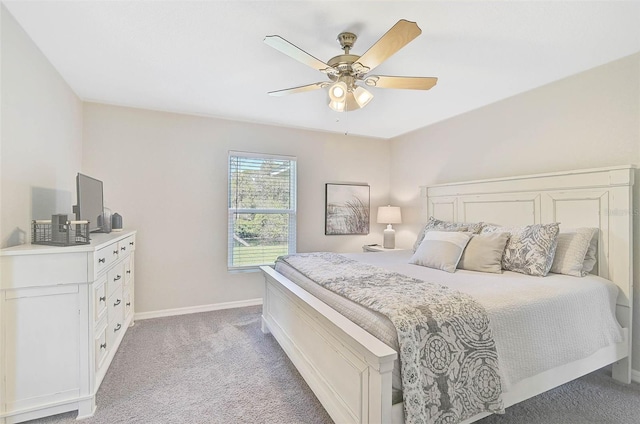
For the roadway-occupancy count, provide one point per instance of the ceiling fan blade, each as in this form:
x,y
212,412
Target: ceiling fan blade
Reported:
x,y
410,83
396,38
295,52
301,89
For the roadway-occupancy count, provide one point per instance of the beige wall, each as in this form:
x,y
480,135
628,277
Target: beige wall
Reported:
x,y
166,174
40,138
588,120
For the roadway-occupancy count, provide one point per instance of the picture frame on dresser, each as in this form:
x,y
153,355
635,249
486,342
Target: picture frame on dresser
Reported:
x,y
64,313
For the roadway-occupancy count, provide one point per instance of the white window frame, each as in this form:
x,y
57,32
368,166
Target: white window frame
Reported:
x,y
292,212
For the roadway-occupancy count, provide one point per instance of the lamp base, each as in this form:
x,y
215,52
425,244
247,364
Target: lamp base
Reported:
x,y
389,241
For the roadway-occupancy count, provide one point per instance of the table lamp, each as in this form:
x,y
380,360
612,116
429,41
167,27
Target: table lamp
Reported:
x,y
389,215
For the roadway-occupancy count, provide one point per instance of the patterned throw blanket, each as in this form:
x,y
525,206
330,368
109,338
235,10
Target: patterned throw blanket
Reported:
x,y
447,353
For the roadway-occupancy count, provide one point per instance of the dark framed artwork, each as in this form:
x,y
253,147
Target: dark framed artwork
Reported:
x,y
347,209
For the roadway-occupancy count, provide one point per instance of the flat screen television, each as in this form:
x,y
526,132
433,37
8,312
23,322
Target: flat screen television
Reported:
x,y
90,201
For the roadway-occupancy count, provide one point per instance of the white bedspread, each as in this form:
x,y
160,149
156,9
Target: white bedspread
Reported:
x,y
538,322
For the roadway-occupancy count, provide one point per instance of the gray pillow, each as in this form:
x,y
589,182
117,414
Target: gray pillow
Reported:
x,y
484,252
439,225
571,252
441,250
530,249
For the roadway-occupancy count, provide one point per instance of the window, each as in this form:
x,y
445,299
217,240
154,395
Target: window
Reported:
x,y
262,208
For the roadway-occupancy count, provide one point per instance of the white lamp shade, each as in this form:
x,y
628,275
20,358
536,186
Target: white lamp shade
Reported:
x,y
337,106
389,215
338,91
362,96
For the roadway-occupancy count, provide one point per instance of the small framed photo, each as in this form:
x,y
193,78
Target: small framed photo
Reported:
x,y
347,208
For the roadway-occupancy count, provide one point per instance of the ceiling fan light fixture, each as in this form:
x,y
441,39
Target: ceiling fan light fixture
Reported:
x,y
337,106
362,96
338,92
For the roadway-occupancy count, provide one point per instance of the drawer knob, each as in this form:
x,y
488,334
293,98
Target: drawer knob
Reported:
x,y
117,277
115,252
103,346
128,304
118,327
123,248
103,298
130,243
128,271
118,301
101,260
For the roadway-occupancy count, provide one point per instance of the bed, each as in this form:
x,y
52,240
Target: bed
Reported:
x,y
352,372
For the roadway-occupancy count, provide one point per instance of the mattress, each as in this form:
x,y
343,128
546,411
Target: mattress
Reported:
x,y
538,323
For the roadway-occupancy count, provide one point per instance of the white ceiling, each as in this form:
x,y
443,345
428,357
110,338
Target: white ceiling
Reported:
x,y
208,57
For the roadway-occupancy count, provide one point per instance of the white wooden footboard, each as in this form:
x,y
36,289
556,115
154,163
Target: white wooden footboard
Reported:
x,y
348,369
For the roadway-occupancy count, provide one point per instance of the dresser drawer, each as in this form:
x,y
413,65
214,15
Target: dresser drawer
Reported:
x,y
128,301
116,316
116,303
99,299
101,347
115,277
105,257
128,270
128,244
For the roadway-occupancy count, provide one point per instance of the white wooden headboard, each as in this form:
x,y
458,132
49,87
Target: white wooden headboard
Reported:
x,y
598,198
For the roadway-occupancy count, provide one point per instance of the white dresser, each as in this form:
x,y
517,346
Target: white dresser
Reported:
x,y
64,312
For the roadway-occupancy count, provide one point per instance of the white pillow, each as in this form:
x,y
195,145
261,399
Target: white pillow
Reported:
x,y
484,252
571,252
440,250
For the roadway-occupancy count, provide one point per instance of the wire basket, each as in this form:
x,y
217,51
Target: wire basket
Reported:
x,y
60,233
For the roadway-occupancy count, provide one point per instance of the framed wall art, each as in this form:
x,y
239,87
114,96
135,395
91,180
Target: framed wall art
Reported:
x,y
347,209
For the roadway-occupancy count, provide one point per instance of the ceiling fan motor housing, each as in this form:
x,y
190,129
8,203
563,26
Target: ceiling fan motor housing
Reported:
x,y
347,40
343,64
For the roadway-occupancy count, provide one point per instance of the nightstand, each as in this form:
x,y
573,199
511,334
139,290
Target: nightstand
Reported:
x,y
377,248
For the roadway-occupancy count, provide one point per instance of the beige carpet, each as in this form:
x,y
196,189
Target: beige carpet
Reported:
x,y
218,367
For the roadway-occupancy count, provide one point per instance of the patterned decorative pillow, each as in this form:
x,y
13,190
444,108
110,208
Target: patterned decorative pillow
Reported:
x,y
530,249
439,225
441,250
572,251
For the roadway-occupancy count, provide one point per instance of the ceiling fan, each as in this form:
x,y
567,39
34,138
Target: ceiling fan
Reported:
x,y
347,70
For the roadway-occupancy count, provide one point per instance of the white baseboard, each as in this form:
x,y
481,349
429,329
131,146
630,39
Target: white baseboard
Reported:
x,y
196,309
635,375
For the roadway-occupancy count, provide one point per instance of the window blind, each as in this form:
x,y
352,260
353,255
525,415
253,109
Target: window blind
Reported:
x,y
262,208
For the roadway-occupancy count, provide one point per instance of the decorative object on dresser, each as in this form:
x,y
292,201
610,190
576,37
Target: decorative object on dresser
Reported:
x,y
64,314
346,209
389,215
104,221
59,231
116,222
